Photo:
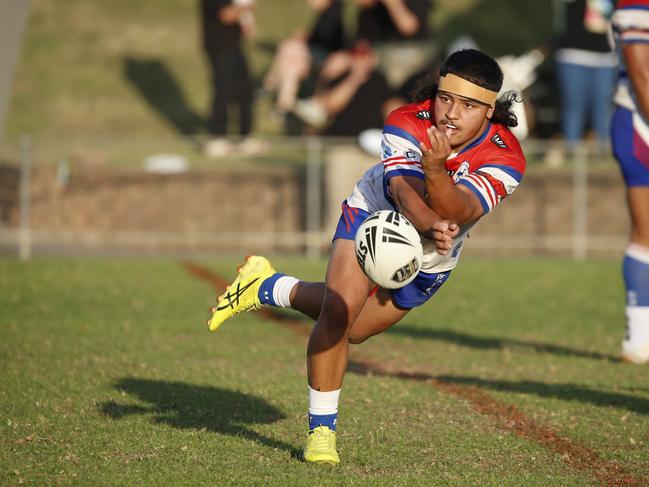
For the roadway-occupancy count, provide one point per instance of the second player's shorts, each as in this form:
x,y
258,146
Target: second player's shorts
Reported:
x,y
414,294
630,150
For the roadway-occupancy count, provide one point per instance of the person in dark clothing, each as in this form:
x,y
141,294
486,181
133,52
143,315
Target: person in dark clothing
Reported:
x,y
585,69
299,55
224,23
393,20
356,99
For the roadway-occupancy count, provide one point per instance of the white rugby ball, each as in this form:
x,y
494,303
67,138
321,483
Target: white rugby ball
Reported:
x,y
388,249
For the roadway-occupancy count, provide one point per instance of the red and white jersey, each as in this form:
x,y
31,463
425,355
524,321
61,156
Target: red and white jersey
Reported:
x,y
491,167
630,25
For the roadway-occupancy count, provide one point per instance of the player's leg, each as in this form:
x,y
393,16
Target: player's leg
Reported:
x,y
633,158
385,307
258,283
346,288
635,347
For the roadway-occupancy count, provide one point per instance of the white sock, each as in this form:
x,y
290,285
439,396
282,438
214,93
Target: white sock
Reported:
x,y
637,326
282,291
322,403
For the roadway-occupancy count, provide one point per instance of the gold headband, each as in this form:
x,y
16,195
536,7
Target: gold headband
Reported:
x,y
459,86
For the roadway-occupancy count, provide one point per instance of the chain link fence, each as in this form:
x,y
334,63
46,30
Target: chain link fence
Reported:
x,y
155,197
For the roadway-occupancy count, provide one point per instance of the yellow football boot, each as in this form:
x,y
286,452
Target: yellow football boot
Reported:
x,y
321,446
241,295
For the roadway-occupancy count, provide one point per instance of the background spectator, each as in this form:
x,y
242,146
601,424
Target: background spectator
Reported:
x,y
400,32
224,23
297,56
585,69
357,98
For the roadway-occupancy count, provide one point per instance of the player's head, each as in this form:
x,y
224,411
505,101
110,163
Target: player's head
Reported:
x,y
467,96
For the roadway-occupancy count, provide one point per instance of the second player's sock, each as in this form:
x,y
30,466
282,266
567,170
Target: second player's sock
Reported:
x,y
323,409
276,290
636,281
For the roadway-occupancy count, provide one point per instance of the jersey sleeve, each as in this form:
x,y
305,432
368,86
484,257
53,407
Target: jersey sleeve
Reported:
x,y
400,151
494,181
631,21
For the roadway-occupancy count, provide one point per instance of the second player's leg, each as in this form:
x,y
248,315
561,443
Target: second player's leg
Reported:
x,y
638,197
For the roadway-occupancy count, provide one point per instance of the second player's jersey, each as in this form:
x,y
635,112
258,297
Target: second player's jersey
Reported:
x,y
630,25
491,167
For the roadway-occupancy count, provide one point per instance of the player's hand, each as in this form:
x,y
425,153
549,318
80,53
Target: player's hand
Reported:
x,y
434,157
443,234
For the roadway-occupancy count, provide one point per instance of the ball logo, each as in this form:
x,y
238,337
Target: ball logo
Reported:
x,y
367,246
406,271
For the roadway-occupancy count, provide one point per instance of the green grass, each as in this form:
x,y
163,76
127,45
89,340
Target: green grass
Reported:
x,y
109,377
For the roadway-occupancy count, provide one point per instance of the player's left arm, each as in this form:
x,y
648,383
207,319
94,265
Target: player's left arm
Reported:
x,y
408,195
450,201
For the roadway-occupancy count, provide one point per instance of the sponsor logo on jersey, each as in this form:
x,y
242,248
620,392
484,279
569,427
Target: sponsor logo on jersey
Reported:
x,y
411,154
423,115
387,152
460,172
456,250
439,280
496,139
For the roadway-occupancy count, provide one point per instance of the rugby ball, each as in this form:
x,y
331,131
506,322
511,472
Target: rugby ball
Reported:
x,y
388,249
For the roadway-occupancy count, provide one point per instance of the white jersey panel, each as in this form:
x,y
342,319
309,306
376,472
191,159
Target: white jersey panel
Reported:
x,y
368,194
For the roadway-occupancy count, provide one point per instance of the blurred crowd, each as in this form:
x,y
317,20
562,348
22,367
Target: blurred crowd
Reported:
x,y
326,80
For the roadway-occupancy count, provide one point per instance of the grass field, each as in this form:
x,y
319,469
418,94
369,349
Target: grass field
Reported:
x,y
509,377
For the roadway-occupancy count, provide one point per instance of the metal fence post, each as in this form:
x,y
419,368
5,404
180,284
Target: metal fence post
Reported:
x,y
25,241
313,197
580,203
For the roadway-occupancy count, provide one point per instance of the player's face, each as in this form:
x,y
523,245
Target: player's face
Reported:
x,y
462,119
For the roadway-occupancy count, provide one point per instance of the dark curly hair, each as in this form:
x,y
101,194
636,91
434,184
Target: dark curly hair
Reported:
x,y
480,69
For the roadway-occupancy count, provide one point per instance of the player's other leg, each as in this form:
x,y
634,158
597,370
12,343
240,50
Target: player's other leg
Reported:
x,y
257,284
243,293
635,347
632,153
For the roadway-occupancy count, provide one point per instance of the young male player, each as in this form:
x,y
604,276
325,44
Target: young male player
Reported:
x,y
448,159
630,137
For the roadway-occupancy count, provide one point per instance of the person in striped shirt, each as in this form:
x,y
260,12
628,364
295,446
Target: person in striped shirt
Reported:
x,y
630,140
448,159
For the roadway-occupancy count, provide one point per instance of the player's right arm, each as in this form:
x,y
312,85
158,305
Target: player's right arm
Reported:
x,y
636,57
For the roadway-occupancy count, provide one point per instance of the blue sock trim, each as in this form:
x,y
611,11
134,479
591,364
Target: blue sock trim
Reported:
x,y
328,420
265,293
636,280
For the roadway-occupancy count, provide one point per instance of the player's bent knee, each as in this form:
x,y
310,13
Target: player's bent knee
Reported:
x,y
356,340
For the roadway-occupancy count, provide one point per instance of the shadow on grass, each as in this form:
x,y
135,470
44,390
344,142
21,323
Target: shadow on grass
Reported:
x,y
188,406
473,341
565,392
160,89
